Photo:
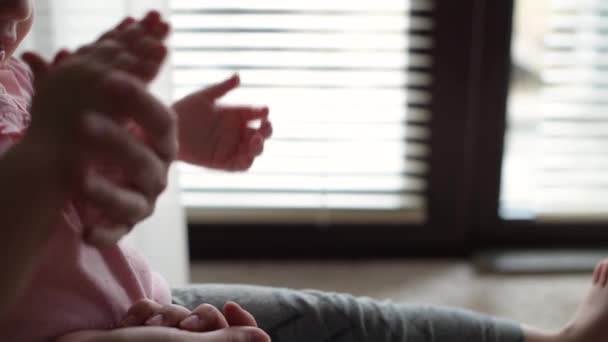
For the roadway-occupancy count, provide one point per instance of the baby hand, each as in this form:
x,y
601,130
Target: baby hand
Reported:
x,y
218,136
204,318
135,47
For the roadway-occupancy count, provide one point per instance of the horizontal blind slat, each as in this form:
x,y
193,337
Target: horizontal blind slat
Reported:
x,y
393,41
329,200
312,5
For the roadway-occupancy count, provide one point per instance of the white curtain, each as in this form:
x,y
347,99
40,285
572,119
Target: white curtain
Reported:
x,y
70,23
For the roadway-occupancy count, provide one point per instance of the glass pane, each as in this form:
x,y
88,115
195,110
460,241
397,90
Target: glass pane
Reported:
x,y
555,153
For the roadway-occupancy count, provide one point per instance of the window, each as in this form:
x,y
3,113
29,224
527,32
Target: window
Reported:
x,y
556,152
348,87
390,121
549,191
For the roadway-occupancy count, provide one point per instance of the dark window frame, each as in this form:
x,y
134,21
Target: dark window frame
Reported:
x,y
446,230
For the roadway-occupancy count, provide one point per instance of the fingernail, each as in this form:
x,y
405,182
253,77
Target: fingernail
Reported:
x,y
191,323
155,320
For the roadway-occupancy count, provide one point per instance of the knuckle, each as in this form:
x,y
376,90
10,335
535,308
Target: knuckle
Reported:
x,y
110,45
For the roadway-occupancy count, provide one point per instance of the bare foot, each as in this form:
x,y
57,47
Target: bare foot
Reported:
x,y
590,323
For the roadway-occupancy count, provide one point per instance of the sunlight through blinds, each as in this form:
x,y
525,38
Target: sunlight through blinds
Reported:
x,y
574,171
347,85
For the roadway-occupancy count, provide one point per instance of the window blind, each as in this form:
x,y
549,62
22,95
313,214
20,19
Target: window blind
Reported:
x,y
347,84
568,169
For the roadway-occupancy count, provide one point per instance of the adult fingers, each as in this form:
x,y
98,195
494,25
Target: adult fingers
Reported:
x,y
205,317
130,98
218,90
146,171
237,316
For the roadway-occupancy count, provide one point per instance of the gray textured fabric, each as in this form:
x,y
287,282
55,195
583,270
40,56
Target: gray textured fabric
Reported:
x,y
314,316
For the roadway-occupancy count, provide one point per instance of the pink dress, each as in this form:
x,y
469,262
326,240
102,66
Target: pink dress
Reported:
x,y
76,286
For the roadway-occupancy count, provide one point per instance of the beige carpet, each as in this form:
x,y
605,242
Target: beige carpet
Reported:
x,y
543,300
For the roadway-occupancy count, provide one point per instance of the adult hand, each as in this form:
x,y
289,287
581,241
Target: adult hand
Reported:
x,y
163,334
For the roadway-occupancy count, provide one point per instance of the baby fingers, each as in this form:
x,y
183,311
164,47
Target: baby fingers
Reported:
x,y
266,129
204,318
147,312
256,145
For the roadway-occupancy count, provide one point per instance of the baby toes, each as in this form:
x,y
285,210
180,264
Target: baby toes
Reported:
x,y
600,274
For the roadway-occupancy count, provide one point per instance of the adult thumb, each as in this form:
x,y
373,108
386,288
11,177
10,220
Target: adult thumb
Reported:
x,y
237,316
